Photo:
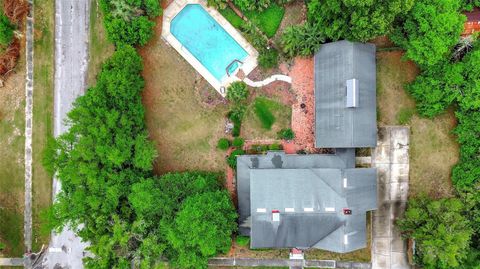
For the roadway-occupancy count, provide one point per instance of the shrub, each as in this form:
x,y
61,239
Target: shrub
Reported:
x,y
232,159
6,30
268,58
223,144
302,40
238,142
242,240
286,134
236,116
263,113
237,92
267,20
275,147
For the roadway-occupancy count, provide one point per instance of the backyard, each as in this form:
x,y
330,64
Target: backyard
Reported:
x,y
433,150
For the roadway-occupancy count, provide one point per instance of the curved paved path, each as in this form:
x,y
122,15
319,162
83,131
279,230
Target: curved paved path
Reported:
x,y
267,81
71,62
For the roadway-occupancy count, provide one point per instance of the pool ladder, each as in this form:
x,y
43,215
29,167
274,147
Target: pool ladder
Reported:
x,y
230,64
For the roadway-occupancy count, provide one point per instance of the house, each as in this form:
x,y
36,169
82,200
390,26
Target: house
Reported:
x,y
318,200
345,95
472,24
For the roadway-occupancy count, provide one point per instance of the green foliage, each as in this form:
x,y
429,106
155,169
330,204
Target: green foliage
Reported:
x,y
127,21
6,30
237,92
202,228
268,58
2,246
470,4
238,142
430,30
236,115
268,20
263,112
257,5
232,17
218,4
286,134
302,40
405,115
275,147
223,144
242,241
355,20
253,35
440,229
232,159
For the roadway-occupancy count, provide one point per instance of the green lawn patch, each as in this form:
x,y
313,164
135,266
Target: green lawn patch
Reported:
x,y
242,240
263,107
267,20
231,17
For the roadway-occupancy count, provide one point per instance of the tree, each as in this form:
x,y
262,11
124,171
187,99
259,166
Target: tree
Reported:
x,y
429,31
440,230
356,20
237,92
286,134
223,144
202,228
302,40
6,30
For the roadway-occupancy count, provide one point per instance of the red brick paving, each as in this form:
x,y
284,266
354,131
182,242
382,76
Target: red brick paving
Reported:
x,y
303,111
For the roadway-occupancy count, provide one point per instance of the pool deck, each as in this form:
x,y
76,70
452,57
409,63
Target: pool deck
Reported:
x,y
248,64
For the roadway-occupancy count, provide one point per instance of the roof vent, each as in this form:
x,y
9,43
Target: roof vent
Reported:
x,y
347,211
289,209
352,92
261,210
275,215
329,209
308,209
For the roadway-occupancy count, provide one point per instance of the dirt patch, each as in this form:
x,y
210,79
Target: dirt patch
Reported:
x,y
184,118
433,149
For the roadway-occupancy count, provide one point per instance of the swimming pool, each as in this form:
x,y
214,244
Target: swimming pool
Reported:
x,y
206,40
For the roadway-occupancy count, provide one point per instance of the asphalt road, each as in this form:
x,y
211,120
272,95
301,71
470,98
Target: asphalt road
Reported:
x,y
71,62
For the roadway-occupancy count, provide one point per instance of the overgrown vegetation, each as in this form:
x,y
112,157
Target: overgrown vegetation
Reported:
x,y
286,134
128,21
449,75
262,107
6,30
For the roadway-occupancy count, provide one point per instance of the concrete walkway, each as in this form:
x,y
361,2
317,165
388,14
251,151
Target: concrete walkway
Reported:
x,y
71,62
391,158
267,81
11,262
27,219
251,262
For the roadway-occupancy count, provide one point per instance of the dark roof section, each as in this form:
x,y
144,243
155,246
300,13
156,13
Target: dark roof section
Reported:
x,y
336,125
309,193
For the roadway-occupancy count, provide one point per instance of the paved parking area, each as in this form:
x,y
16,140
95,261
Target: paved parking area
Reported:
x,y
391,158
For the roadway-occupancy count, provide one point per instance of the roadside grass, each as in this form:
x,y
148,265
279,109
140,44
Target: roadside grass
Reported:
x,y
262,107
267,20
12,157
264,113
99,48
42,114
433,149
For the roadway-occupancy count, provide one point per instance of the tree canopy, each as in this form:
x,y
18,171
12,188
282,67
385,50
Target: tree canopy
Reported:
x,y
6,30
430,30
441,231
356,20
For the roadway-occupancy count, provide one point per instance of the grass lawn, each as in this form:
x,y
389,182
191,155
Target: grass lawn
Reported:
x,y
99,48
433,150
42,113
267,20
231,17
12,146
184,115
262,113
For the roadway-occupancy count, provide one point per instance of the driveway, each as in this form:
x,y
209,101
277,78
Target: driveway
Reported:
x,y
391,159
71,63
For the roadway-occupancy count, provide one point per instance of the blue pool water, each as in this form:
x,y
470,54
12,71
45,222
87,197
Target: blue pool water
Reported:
x,y
205,39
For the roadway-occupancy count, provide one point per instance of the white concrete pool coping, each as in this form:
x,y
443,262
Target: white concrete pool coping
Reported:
x,y
248,65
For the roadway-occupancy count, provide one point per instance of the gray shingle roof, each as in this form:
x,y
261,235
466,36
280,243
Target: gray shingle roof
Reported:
x,y
336,125
315,182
